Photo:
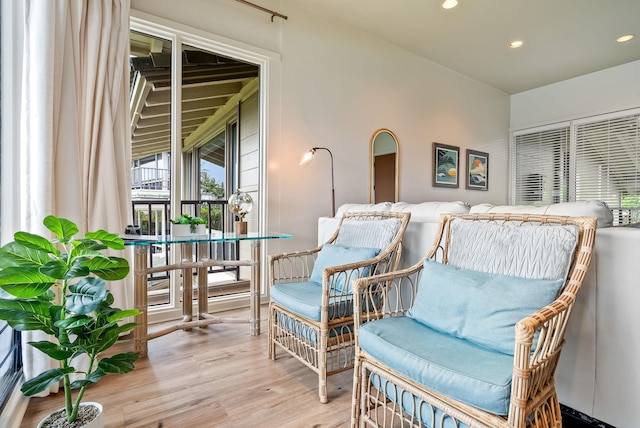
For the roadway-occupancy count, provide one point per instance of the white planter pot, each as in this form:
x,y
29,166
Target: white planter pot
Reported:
x,y
50,420
185,230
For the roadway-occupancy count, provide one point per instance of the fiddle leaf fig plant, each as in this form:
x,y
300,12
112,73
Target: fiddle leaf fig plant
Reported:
x,y
58,286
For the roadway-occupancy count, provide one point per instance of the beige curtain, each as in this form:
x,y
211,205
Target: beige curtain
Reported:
x,y
74,156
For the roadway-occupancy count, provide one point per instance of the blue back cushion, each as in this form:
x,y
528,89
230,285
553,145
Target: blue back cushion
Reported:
x,y
335,255
480,307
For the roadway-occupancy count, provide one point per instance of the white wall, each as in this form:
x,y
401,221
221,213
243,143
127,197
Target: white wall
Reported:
x,y
338,86
595,374
613,89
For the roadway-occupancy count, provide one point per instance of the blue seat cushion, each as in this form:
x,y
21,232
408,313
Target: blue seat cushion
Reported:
x,y
454,367
305,299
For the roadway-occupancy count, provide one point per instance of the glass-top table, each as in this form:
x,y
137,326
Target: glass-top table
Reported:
x,y
141,245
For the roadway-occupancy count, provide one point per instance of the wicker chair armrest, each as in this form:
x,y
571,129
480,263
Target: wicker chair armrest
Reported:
x,y
539,338
295,266
549,323
388,294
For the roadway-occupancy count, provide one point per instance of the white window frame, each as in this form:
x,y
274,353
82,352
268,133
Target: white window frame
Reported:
x,y
573,125
180,35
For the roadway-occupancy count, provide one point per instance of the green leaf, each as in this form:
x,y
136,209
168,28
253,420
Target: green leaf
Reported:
x,y
78,270
26,315
48,296
14,254
36,242
86,295
111,240
103,340
24,282
55,268
87,248
121,363
123,314
44,380
60,270
96,375
74,322
84,382
125,327
37,307
110,269
63,228
53,350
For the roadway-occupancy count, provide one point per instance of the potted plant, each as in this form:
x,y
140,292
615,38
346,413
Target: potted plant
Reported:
x,y
187,225
58,286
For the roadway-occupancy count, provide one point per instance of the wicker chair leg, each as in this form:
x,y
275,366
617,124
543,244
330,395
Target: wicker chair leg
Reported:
x,y
322,366
271,345
322,380
548,415
557,415
355,401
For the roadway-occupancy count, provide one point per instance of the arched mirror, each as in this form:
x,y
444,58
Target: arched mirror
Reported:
x,y
383,168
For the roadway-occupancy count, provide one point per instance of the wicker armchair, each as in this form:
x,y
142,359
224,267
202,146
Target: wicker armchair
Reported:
x,y
311,306
426,358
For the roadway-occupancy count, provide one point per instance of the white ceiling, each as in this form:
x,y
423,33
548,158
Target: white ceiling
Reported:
x,y
562,38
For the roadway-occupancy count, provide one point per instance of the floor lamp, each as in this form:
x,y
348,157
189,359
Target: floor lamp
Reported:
x,y
307,157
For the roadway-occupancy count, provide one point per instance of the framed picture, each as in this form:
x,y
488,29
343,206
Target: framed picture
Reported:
x,y
477,170
445,165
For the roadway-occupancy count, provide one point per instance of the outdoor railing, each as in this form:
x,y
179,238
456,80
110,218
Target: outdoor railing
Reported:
x,y
150,178
624,215
152,217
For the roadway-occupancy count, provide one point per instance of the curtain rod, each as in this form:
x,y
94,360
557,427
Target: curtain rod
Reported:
x,y
264,9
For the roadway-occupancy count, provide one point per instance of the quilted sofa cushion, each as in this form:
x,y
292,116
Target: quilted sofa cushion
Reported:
x,y
457,368
430,211
381,207
479,307
424,211
591,208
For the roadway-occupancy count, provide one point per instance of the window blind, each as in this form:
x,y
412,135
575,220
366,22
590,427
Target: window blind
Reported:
x,y
590,158
541,166
607,165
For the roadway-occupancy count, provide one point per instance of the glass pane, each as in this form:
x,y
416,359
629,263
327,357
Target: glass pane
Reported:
x,y
213,88
151,150
212,179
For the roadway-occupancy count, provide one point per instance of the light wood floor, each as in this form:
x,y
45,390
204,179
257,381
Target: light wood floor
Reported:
x,y
214,377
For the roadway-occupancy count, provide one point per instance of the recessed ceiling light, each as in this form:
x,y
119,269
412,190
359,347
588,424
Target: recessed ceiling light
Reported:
x,y
449,4
516,44
624,38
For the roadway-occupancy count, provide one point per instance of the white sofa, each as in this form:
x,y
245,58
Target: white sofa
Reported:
x,y
596,374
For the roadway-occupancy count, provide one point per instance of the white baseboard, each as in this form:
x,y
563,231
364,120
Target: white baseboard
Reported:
x,y
14,410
